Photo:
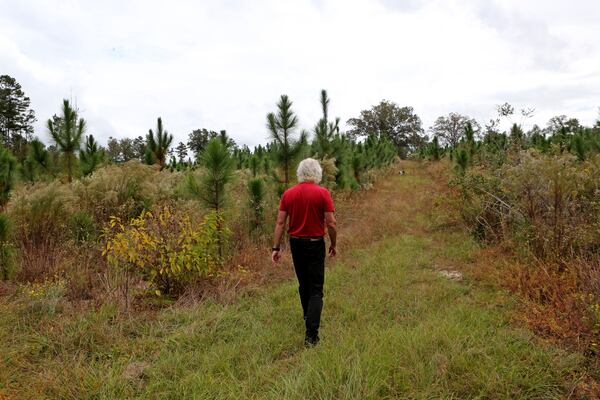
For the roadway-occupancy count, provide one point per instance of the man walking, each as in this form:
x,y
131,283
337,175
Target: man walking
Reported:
x,y
309,208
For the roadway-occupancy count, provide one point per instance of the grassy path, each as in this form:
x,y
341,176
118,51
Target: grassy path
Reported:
x,y
392,328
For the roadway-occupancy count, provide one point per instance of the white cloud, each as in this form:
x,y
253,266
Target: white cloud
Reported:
x,y
223,64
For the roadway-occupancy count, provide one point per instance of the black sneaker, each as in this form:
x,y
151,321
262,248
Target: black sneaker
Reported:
x,y
311,341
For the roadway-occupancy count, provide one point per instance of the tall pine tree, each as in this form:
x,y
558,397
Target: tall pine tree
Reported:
x,y
282,126
16,118
67,131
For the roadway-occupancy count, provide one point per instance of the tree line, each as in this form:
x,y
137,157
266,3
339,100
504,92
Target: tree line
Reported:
x,y
74,152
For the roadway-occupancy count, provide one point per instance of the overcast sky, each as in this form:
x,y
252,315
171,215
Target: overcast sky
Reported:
x,y
222,64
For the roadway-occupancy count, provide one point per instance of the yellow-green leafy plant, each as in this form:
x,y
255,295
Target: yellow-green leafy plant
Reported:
x,y
166,248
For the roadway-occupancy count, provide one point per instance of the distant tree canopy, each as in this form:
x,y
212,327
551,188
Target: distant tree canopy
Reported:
x,y
16,118
198,139
451,128
400,124
125,149
562,122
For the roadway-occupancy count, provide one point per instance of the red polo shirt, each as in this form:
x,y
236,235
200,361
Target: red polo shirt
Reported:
x,y
306,204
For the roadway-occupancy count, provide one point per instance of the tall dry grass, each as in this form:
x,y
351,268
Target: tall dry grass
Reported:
x,y
538,216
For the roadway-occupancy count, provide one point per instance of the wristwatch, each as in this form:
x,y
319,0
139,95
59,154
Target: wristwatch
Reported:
x,y
275,249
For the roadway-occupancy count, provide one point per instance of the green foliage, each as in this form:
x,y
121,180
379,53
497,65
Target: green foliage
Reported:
x,y
218,166
286,148
579,146
517,136
255,162
198,139
325,130
158,144
91,156
256,192
82,227
16,118
399,124
462,160
67,131
8,167
38,161
126,149
166,248
182,151
7,254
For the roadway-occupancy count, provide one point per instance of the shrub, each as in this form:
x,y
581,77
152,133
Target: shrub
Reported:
x,y
123,190
40,214
82,227
166,248
549,202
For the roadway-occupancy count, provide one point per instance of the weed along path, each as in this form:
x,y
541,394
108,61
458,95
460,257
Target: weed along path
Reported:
x,y
393,326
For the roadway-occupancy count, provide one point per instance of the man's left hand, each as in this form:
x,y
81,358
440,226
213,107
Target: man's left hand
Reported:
x,y
276,256
332,251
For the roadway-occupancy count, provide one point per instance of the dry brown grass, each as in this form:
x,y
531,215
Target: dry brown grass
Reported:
x,y
555,296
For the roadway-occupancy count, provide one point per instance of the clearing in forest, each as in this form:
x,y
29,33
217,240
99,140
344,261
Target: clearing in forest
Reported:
x,y
393,326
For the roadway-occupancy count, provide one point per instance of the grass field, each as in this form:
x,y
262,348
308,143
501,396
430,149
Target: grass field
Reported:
x,y
392,327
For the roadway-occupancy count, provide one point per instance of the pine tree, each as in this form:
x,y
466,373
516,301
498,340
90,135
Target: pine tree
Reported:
x,y
325,130
219,171
158,144
462,160
281,127
91,156
67,131
16,118
37,162
255,165
579,146
182,151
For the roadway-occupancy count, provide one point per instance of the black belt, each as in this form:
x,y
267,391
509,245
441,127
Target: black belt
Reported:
x,y
308,238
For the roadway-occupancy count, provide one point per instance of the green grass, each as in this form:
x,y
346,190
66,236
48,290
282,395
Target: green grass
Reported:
x,y
391,328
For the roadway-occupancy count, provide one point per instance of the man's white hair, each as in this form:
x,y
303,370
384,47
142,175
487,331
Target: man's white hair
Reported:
x,y
309,170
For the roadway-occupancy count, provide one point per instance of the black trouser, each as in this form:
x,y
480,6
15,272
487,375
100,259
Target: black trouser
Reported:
x,y
309,263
